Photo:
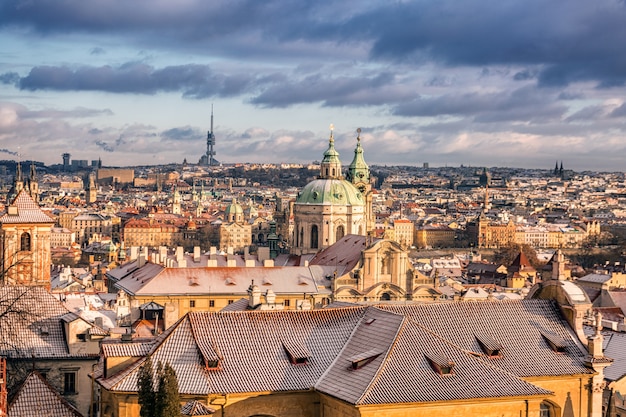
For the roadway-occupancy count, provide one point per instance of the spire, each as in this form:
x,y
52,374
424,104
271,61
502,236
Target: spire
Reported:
x,y
331,165
33,185
358,170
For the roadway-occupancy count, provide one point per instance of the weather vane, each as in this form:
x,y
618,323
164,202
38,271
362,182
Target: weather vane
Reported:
x,y
358,134
332,127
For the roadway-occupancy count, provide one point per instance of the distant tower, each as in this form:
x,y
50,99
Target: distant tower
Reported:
x,y
91,192
66,162
208,157
18,183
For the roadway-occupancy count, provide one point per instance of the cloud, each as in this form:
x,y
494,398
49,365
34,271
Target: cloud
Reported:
x,y
183,133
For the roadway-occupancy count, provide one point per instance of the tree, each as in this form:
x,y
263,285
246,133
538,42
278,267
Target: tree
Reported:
x,y
167,398
505,255
160,399
146,389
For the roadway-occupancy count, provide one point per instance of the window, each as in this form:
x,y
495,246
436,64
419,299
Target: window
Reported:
x,y
25,242
211,303
69,382
340,233
230,301
286,303
314,237
192,303
546,410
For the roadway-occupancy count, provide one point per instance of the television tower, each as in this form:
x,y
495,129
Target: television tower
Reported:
x,y
208,158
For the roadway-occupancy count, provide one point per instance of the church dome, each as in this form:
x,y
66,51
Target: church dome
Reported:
x,y
234,208
330,191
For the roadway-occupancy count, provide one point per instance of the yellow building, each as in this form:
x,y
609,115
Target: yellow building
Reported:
x,y
512,358
404,231
434,236
213,282
147,232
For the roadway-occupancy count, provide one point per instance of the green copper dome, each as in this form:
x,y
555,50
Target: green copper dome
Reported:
x,y
330,191
234,208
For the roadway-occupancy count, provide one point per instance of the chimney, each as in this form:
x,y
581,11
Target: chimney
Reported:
x,y
162,253
179,253
196,253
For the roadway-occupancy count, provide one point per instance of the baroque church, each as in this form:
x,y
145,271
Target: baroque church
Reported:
x,y
332,206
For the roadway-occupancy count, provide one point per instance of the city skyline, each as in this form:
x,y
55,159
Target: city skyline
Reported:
x,y
479,83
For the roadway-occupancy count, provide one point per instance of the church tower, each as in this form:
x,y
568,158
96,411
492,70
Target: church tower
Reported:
x,y
176,204
25,243
359,175
91,192
33,184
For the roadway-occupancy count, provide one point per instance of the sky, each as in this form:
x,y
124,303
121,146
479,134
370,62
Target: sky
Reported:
x,y
506,83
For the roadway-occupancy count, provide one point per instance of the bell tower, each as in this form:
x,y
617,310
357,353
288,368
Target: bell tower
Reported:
x,y
25,256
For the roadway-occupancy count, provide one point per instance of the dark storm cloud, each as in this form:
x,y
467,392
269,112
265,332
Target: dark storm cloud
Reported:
x,y
334,91
619,112
557,42
193,81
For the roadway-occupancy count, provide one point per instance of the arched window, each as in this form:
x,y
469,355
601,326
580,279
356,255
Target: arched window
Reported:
x,y
340,233
25,242
385,296
314,237
301,237
549,409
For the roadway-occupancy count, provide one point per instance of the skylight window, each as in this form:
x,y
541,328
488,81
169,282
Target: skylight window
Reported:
x,y
440,363
556,342
359,360
489,345
297,352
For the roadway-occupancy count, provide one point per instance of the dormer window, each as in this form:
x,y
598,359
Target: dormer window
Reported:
x,y
489,345
297,352
440,363
359,360
556,342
